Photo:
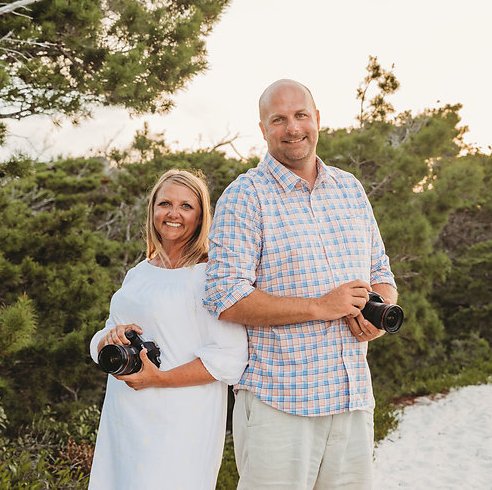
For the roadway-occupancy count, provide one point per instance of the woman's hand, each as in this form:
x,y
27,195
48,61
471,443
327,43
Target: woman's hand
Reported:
x,y
148,376
117,335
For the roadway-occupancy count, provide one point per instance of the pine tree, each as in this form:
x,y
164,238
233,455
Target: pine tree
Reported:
x,y
63,57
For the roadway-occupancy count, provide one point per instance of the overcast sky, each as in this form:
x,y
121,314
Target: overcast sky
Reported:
x,y
441,50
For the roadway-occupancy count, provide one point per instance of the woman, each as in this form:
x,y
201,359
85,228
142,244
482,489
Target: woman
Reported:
x,y
164,427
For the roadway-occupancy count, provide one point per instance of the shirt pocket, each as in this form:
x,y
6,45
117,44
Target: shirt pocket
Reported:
x,y
354,232
353,236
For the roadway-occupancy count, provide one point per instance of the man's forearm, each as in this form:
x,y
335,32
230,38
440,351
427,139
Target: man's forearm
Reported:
x,y
387,291
260,309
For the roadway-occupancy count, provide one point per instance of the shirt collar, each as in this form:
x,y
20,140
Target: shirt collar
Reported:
x,y
288,179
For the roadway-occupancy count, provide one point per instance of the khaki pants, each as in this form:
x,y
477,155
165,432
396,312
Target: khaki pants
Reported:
x,y
277,450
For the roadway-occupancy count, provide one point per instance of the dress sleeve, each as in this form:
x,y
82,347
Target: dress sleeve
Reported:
x,y
225,353
98,336
110,323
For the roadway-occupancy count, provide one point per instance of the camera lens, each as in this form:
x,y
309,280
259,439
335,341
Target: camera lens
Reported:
x,y
381,315
125,359
111,358
119,359
392,318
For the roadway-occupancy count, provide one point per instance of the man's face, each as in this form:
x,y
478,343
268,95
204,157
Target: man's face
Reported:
x,y
290,125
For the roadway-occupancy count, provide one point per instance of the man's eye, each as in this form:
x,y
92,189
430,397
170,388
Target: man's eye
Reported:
x,y
301,115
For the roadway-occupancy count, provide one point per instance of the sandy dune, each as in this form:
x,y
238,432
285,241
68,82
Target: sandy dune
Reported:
x,y
443,443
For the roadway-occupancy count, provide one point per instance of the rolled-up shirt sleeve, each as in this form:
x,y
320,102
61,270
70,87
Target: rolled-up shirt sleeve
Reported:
x,y
235,248
380,264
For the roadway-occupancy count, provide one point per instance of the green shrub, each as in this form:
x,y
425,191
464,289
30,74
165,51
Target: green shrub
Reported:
x,y
49,454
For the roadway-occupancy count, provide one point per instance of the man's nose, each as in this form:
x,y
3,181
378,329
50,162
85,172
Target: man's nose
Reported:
x,y
292,126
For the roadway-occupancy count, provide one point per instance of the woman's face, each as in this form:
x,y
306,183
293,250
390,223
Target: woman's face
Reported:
x,y
177,214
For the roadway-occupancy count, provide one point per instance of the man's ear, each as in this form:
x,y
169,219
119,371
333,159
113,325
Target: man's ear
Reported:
x,y
318,118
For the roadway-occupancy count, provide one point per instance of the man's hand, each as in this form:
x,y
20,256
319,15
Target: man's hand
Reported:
x,y
346,300
363,330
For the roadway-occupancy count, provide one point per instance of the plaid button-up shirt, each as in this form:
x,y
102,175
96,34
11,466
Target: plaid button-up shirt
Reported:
x,y
271,232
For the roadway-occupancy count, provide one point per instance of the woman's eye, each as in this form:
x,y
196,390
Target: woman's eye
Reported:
x,y
163,204
187,206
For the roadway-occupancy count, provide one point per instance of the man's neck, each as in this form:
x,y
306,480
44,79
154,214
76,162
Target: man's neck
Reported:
x,y
307,172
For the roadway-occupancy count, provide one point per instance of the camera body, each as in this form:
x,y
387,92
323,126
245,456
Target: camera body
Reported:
x,y
125,359
381,315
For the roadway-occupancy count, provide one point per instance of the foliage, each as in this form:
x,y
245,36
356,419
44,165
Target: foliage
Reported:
x,y
49,453
377,108
430,197
415,179
62,55
154,158
17,325
228,476
70,230
50,264
464,297
17,166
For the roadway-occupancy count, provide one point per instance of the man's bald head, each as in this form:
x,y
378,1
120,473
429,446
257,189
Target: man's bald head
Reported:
x,y
274,88
289,122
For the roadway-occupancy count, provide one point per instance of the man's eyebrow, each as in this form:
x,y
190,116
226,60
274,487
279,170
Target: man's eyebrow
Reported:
x,y
278,114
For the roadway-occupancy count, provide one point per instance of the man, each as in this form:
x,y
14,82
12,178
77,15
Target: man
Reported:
x,y
295,249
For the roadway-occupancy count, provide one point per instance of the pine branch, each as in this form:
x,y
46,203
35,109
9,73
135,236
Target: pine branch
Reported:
x,y
12,7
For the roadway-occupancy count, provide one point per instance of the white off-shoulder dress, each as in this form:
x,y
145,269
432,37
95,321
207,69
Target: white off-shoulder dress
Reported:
x,y
167,438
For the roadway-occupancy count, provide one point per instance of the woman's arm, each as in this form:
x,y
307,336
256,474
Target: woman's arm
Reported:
x,y
150,376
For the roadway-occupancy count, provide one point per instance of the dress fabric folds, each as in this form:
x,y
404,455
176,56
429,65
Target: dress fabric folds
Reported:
x,y
167,438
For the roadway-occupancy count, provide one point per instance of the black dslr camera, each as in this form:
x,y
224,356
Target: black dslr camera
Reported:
x,y
385,317
125,359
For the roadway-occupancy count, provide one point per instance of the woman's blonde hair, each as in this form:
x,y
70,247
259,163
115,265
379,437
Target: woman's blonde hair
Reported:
x,y
196,249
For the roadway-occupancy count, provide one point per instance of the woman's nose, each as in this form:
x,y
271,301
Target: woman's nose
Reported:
x,y
172,211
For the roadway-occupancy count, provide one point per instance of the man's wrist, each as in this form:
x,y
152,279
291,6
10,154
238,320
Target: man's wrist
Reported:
x,y
313,309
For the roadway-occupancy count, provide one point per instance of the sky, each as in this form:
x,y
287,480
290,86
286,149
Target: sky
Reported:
x,y
440,49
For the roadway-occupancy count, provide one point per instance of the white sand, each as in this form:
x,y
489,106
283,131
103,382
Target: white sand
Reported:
x,y
444,443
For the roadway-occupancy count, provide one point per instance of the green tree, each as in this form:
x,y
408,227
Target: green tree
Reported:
x,y
61,56
464,298
69,231
55,269
416,179
381,83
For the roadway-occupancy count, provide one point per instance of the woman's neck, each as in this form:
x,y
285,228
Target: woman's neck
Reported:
x,y
172,261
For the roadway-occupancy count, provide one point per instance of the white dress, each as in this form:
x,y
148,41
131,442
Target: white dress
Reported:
x,y
167,438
